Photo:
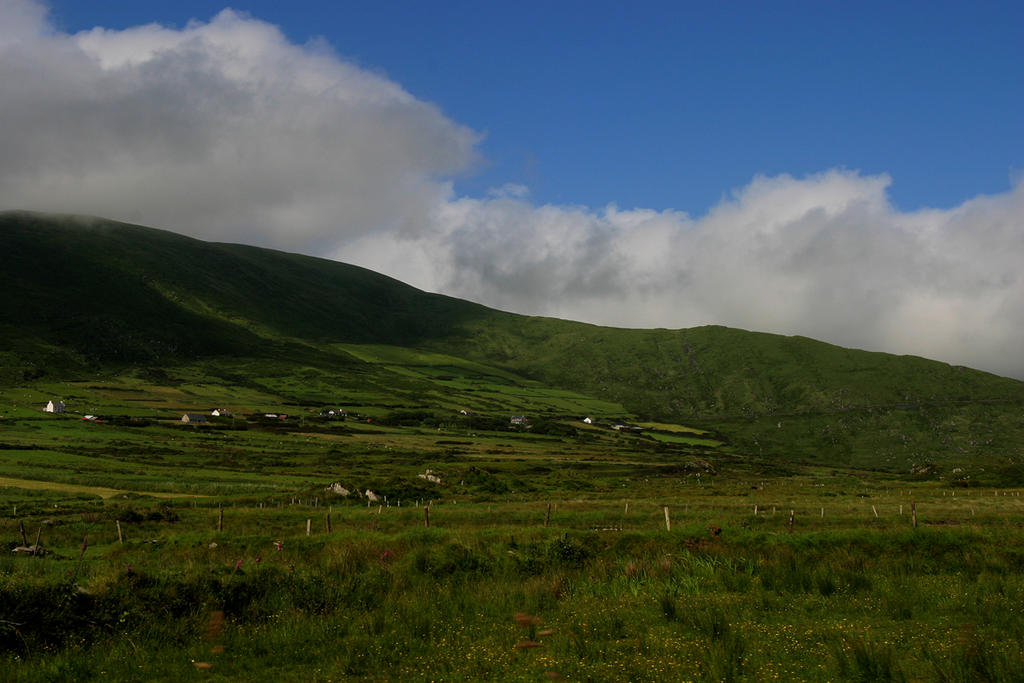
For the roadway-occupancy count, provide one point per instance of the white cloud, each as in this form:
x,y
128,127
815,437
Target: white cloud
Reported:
x,y
509,190
825,256
222,129
226,130
22,20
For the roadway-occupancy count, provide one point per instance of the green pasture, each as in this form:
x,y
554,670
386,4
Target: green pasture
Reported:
x,y
689,440
740,548
589,589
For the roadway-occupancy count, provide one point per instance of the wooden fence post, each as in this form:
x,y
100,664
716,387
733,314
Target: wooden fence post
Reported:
x,y
792,514
309,526
668,524
120,536
426,516
327,521
913,513
21,527
547,515
875,511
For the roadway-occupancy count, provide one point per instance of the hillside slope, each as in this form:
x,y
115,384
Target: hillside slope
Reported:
x,y
84,293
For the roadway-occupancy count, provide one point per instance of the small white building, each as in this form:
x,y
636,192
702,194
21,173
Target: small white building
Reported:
x,y
194,418
221,412
54,407
588,420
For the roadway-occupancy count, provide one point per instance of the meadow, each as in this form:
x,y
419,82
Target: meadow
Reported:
x,y
567,551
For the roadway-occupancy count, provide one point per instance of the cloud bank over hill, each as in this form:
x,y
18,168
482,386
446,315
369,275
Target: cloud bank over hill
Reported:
x,y
225,130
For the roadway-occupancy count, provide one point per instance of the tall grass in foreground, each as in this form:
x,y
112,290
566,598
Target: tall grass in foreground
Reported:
x,y
444,604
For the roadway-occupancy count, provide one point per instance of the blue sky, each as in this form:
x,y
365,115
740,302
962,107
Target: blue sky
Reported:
x,y
852,172
671,105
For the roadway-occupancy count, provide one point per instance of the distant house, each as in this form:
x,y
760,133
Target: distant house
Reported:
x,y
54,407
90,418
465,411
519,420
221,412
588,420
194,418
333,413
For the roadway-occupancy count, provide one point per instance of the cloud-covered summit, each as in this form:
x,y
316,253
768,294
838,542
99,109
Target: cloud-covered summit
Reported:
x,y
226,130
221,129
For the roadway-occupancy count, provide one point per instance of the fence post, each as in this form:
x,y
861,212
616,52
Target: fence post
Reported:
x,y
426,516
913,513
547,515
220,519
792,513
120,536
668,524
309,526
327,521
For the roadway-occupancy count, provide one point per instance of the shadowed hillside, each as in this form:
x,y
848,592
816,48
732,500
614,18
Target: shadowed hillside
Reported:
x,y
83,293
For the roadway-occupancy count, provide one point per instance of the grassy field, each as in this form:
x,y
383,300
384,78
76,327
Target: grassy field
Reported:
x,y
739,506
547,555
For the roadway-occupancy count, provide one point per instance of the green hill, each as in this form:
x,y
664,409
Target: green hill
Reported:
x,y
83,293
87,298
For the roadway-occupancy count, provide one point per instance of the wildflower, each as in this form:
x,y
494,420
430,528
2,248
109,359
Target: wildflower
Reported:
x,y
386,556
279,545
